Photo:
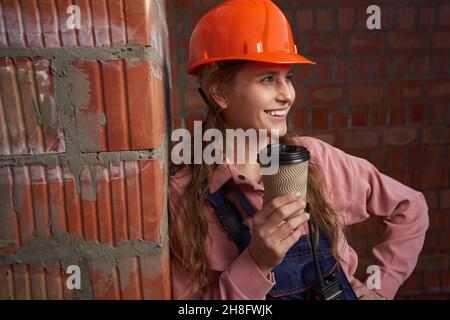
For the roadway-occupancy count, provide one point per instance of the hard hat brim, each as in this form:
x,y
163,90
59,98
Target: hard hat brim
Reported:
x,y
268,57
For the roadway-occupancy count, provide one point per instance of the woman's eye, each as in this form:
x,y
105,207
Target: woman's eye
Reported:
x,y
268,79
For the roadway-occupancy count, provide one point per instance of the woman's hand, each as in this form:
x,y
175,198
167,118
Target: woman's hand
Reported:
x,y
275,229
362,292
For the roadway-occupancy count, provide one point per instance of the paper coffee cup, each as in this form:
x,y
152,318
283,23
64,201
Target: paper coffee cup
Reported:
x,y
292,173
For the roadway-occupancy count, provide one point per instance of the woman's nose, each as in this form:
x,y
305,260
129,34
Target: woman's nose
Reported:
x,y
285,92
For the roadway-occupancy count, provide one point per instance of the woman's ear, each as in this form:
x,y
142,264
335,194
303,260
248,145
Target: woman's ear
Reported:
x,y
217,96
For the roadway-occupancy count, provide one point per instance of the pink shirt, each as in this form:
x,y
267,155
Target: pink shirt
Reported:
x,y
358,191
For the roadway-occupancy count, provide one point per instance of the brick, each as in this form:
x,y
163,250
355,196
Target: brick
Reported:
x,y
300,117
129,278
406,17
436,135
396,159
437,113
439,221
344,68
382,65
193,100
340,118
325,44
431,281
299,94
363,68
102,23
399,136
365,93
440,41
435,156
413,283
432,262
68,35
320,118
444,15
104,280
121,93
388,17
90,118
402,66
417,113
13,23
432,244
22,282
431,178
54,280
398,114
47,9
325,19
426,17
151,103
27,90
361,139
345,18
6,283
445,199
365,42
360,116
403,176
379,115
31,23
378,159
421,66
332,138
432,200
322,71
138,20
326,94
405,42
438,88
405,90
156,281
305,20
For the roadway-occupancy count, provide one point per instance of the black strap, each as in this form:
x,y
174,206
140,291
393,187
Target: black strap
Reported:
x,y
229,217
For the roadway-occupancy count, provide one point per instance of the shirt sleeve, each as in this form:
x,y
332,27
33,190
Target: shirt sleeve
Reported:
x,y
403,213
241,280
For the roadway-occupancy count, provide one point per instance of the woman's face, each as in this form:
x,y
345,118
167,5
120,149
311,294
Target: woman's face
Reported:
x,y
261,98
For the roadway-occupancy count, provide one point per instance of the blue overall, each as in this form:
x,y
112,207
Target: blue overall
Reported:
x,y
295,275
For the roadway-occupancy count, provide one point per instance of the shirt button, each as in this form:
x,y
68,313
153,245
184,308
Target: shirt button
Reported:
x,y
241,177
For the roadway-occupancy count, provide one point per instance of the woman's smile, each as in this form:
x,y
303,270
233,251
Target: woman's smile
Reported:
x,y
277,114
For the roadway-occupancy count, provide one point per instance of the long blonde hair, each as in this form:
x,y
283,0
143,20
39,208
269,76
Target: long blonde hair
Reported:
x,y
195,226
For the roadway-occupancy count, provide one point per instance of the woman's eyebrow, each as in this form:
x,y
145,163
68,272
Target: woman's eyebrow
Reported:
x,y
272,73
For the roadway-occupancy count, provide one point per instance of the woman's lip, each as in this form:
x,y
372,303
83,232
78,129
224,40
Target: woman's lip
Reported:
x,y
277,118
281,109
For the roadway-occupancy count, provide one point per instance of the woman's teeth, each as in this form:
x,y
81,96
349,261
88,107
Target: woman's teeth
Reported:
x,y
277,112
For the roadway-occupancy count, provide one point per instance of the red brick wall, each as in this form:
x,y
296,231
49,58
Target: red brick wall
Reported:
x,y
83,167
382,95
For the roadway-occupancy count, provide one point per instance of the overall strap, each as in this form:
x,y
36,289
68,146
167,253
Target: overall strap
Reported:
x,y
229,217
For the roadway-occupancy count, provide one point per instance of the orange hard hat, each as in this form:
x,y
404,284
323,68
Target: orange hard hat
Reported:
x,y
254,30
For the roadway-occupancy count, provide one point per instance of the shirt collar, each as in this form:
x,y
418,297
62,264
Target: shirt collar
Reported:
x,y
226,171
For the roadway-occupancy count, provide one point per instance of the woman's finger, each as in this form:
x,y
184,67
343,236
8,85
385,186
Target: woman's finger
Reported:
x,y
276,203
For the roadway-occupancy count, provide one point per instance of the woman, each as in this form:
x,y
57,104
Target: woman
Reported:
x,y
242,52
